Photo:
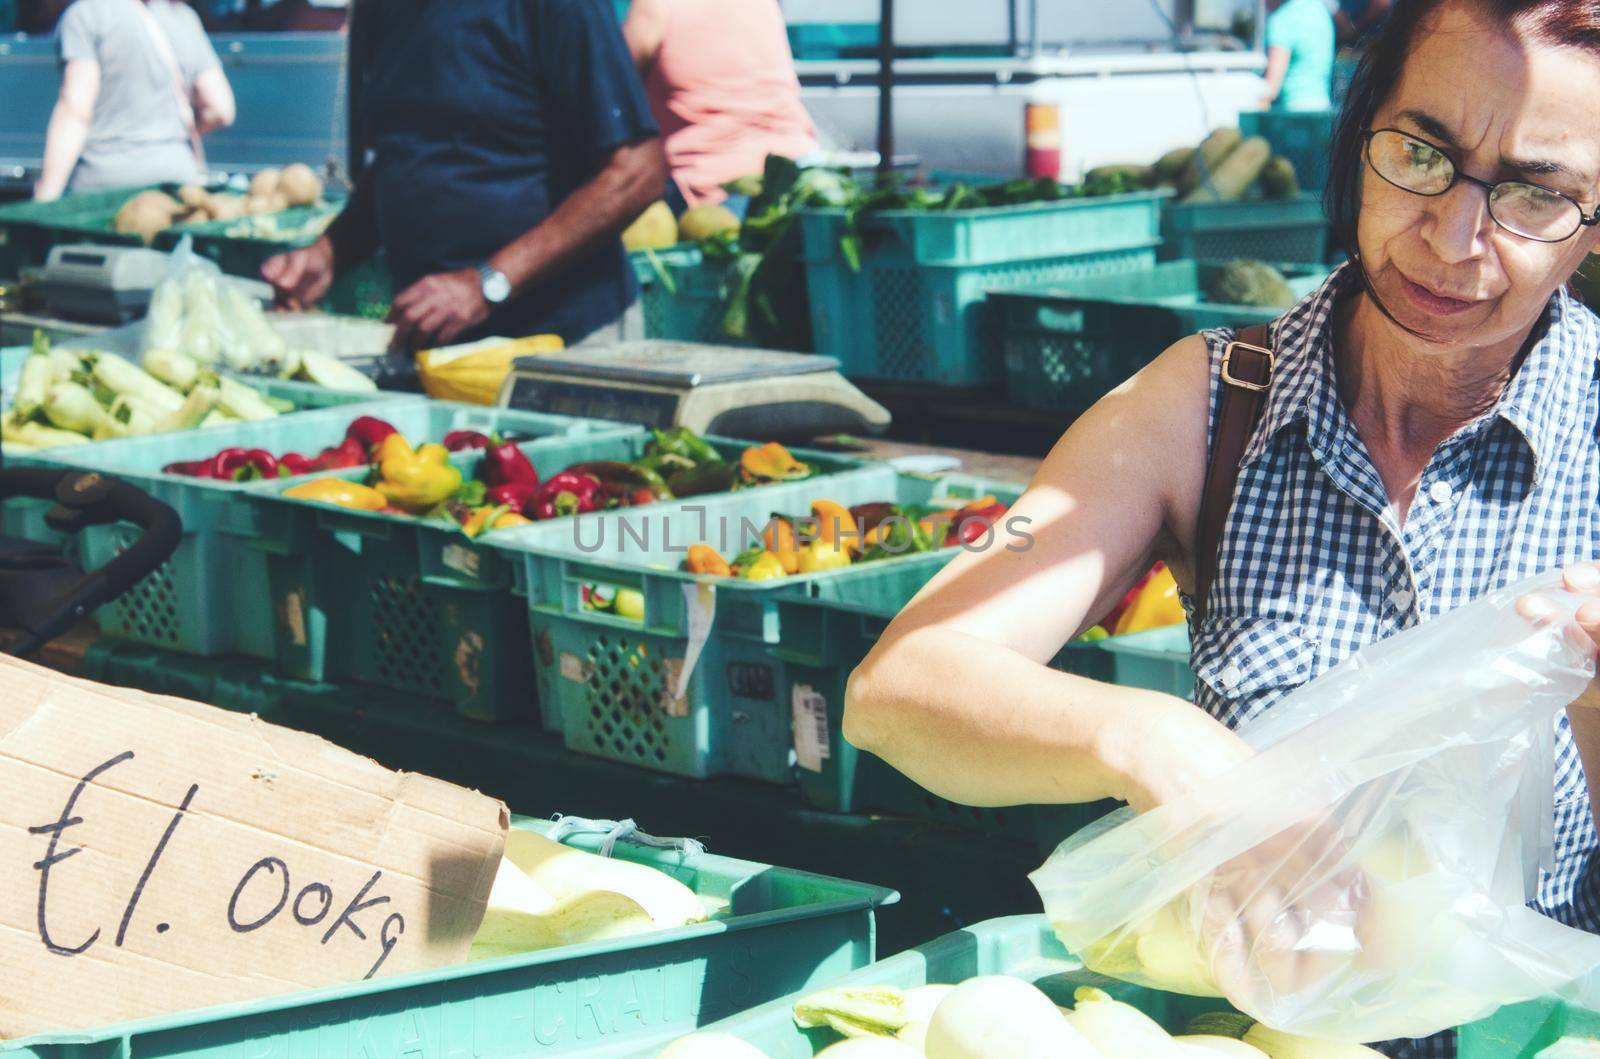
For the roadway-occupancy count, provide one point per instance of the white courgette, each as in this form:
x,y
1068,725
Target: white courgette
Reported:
x,y
126,378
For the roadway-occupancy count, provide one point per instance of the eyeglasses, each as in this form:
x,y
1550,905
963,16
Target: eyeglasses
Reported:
x,y
1524,209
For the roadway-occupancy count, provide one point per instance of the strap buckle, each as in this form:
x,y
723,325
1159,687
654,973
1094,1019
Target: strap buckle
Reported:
x,y
1245,384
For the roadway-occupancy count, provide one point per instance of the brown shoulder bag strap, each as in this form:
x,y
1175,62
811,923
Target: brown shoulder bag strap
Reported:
x,y
1247,364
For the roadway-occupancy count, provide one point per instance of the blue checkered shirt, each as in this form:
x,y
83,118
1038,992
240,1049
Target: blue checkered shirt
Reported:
x,y
1314,565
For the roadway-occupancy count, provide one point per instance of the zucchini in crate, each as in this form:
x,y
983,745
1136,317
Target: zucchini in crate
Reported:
x,y
1235,175
1210,154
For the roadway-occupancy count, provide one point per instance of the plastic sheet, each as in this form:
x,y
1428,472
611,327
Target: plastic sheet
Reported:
x,y
1364,876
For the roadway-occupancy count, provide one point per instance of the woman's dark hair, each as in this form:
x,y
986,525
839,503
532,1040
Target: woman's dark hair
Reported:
x,y
1570,23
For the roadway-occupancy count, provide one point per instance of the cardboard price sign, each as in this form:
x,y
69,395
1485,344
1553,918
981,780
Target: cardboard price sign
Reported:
x,y
160,855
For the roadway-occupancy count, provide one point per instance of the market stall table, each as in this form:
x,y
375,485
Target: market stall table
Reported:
x,y
949,877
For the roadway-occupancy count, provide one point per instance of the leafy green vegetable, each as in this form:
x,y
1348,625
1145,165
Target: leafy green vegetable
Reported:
x,y
765,295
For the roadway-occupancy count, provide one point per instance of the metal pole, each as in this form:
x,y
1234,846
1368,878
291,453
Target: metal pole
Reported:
x,y
1034,33
886,86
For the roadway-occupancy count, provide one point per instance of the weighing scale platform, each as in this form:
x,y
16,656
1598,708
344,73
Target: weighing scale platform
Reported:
x,y
736,392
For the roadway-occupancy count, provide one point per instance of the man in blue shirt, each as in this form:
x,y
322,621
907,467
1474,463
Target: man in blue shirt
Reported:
x,y
509,143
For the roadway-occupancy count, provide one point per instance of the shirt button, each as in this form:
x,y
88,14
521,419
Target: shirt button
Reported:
x,y
1440,492
1401,598
1230,675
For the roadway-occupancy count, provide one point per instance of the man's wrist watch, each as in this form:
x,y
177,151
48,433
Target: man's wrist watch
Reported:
x,y
496,286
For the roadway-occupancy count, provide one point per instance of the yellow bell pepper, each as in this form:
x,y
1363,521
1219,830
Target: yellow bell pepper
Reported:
x,y
340,493
629,604
1155,606
766,567
416,480
489,517
704,559
771,463
780,540
835,524
822,555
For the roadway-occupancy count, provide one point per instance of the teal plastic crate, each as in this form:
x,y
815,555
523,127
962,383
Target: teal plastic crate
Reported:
x,y
242,255
785,931
1156,659
829,634
611,685
914,312
1067,345
1292,229
415,605
1020,946
215,595
682,295
1303,137
1524,1031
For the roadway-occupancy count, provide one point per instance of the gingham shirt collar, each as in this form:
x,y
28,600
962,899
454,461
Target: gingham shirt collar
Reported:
x,y
1544,399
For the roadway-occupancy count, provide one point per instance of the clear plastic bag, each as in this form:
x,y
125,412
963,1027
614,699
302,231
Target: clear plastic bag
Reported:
x,y
198,312
1364,876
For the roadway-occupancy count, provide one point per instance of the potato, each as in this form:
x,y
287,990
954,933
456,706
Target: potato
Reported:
x,y
264,183
193,195
300,185
227,207
146,214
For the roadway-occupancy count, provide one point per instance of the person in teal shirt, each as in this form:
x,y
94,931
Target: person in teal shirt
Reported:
x,y
1300,47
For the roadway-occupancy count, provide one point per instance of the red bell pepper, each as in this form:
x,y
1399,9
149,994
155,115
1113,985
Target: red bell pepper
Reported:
x,y
243,465
1110,620
518,496
190,468
568,494
973,524
350,452
370,431
461,440
291,464
505,464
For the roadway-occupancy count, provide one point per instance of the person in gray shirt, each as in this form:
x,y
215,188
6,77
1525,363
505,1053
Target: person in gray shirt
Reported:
x,y
140,84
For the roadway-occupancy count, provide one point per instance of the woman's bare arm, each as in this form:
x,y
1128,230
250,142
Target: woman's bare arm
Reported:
x,y
69,127
957,693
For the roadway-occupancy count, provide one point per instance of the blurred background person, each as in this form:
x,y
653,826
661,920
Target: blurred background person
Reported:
x,y
1300,47
140,85
508,143
1357,20
721,83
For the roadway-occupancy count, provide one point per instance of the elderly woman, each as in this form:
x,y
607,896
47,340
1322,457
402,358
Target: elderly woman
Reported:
x,y
1428,434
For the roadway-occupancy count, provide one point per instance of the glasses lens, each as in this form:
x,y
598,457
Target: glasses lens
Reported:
x,y
1410,164
1533,211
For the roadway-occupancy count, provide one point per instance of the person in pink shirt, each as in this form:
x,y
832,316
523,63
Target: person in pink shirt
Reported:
x,y
721,84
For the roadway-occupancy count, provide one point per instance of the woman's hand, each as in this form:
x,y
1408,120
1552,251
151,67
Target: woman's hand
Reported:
x,y
1183,747
1584,633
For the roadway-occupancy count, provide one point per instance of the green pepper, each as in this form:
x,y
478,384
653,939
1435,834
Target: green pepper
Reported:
x,y
713,477
624,478
681,441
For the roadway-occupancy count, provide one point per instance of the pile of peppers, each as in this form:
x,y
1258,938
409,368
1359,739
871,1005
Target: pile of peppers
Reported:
x,y
1152,603
361,439
834,536
507,490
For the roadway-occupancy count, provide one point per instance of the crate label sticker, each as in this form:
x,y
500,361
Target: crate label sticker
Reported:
x,y
469,662
546,648
700,607
294,617
751,680
461,559
810,728
675,703
574,668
